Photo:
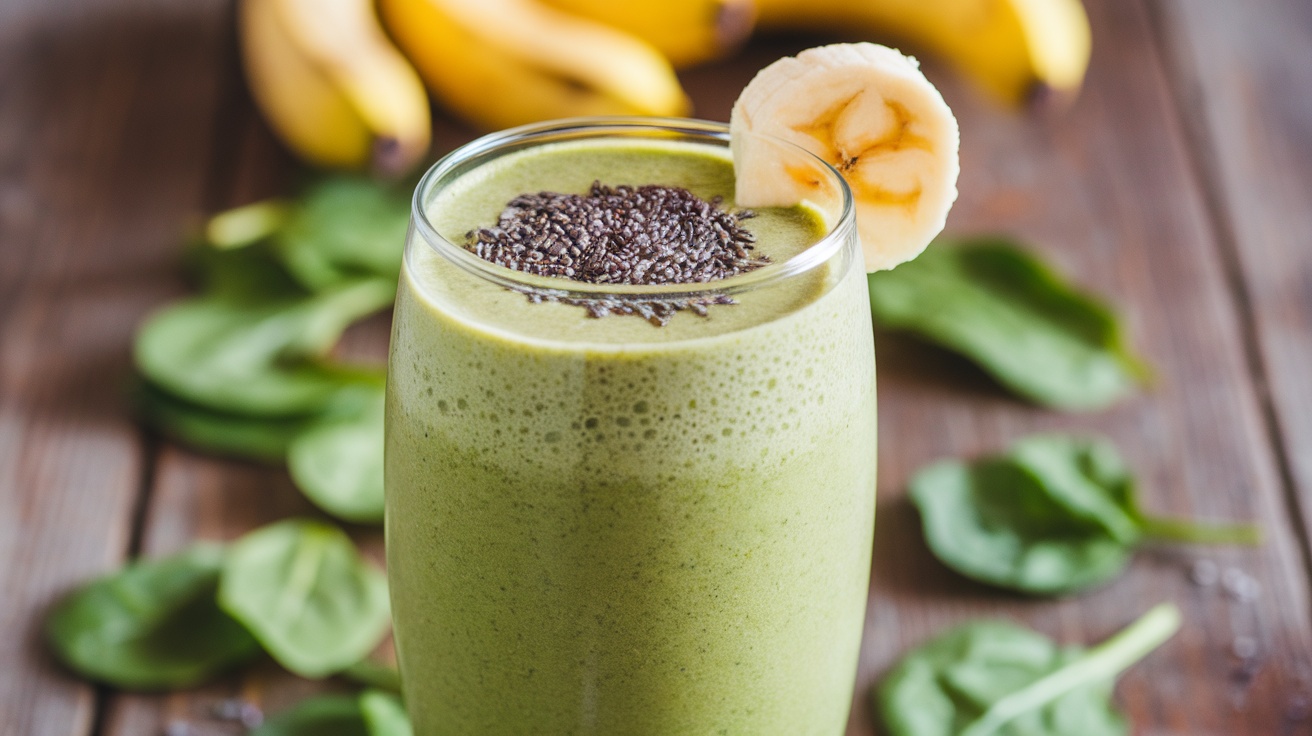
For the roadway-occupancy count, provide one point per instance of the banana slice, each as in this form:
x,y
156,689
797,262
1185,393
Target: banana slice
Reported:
x,y
868,111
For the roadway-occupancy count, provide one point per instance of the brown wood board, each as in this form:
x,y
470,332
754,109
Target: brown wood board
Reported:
x,y
1242,75
1109,190
105,114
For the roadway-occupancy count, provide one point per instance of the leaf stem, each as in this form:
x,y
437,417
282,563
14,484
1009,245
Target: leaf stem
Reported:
x,y
246,225
1101,663
1179,530
307,560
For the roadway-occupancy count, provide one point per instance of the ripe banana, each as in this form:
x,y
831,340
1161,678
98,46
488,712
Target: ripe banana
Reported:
x,y
1019,50
332,86
501,63
869,112
688,32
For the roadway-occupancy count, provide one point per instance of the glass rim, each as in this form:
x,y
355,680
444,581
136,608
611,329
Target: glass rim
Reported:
x,y
690,129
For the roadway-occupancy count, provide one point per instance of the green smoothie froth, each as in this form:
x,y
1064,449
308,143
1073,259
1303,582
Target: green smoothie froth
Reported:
x,y
600,526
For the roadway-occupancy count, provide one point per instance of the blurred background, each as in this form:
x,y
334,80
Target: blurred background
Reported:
x,y
1155,153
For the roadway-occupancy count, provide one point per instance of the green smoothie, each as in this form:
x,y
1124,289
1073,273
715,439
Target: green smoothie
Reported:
x,y
600,526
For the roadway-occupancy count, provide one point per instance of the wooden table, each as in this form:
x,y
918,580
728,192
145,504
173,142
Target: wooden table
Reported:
x,y
1180,185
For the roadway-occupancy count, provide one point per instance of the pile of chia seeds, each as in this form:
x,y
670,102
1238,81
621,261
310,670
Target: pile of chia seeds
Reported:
x,y
626,236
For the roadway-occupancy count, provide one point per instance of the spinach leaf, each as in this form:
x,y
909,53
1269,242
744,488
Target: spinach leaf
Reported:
x,y
372,713
375,675
302,589
254,438
248,275
994,523
322,715
264,439
250,358
996,679
1055,515
246,225
152,625
384,714
1018,320
344,228
338,463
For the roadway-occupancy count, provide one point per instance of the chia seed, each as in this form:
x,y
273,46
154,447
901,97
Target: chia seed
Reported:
x,y
647,235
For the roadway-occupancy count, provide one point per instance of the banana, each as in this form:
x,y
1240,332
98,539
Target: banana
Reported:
x,y
332,86
688,32
501,63
1019,50
868,111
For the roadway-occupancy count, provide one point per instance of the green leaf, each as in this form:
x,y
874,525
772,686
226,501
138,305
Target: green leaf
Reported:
x,y
338,463
247,225
1055,515
251,274
152,625
303,590
254,438
250,359
372,713
995,523
322,715
344,228
264,439
1002,308
996,679
384,714
1086,477
374,675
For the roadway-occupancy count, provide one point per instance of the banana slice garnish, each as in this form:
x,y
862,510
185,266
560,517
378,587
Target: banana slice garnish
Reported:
x,y
868,111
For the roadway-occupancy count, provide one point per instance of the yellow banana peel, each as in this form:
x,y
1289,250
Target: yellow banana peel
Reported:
x,y
501,63
687,32
332,86
1018,50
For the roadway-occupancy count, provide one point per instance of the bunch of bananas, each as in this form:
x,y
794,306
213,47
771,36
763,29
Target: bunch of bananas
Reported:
x,y
342,82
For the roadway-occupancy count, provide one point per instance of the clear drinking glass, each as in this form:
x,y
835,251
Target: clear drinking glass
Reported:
x,y
600,526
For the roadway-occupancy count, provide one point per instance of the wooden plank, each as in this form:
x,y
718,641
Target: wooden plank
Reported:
x,y
1106,191
105,110
1242,74
198,497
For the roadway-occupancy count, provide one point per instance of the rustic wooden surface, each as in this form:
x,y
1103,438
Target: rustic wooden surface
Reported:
x,y
1179,185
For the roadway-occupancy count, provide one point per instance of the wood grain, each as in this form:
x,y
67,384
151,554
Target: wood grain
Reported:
x,y
104,134
198,497
1243,77
1107,192
118,119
